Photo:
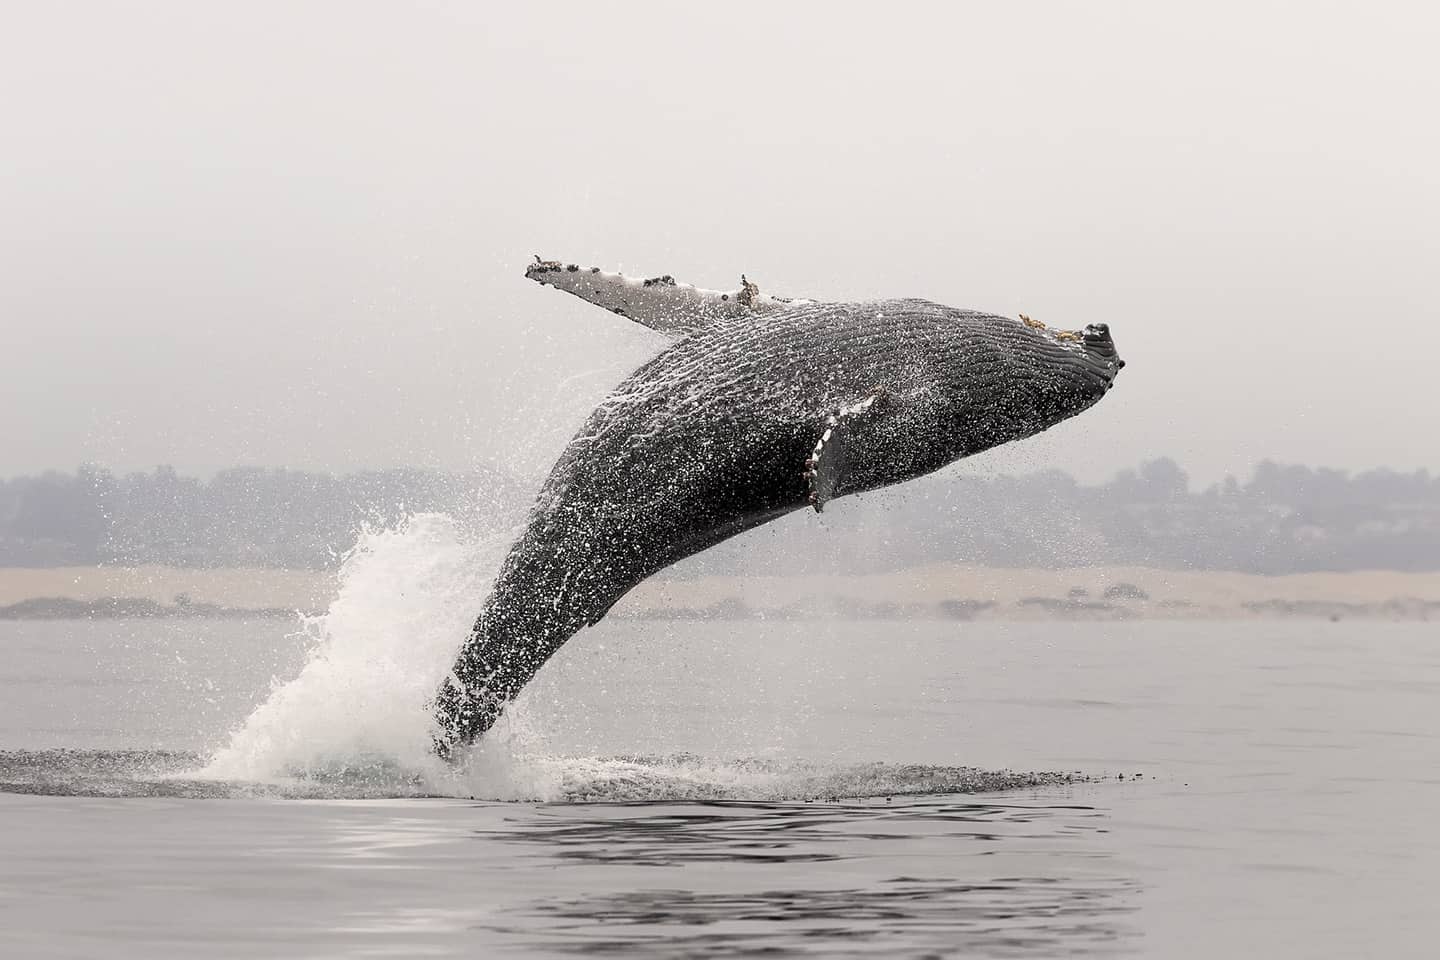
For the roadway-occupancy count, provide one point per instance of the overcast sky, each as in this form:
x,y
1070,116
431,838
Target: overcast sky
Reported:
x,y
294,234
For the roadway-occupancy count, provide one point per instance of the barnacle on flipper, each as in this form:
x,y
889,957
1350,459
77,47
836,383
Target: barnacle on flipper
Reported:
x,y
748,292
660,302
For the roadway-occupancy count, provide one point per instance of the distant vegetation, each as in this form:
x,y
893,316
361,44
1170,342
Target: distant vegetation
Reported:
x,y
241,517
1283,519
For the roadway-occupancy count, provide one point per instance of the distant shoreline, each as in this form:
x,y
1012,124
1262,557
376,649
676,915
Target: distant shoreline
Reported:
x,y
134,608
938,592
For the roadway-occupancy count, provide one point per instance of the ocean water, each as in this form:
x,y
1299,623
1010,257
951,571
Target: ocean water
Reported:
x,y
263,789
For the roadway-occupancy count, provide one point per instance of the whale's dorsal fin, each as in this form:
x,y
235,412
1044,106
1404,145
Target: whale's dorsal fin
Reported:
x,y
659,303
830,459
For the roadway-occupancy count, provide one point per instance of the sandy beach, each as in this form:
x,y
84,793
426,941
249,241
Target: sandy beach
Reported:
x,y
945,591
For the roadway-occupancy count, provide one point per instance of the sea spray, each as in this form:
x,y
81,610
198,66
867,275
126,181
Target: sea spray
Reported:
x,y
356,721
407,597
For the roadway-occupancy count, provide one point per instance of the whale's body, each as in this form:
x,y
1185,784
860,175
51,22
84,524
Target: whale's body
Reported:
x,y
761,409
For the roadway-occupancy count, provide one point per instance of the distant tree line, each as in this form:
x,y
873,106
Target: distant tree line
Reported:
x,y
1283,519
239,517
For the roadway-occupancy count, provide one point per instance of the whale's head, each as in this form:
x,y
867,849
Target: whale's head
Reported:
x,y
1010,379
1099,347
1067,370
959,382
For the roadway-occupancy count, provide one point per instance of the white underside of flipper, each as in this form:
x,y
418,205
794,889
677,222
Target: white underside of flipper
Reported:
x,y
831,457
660,303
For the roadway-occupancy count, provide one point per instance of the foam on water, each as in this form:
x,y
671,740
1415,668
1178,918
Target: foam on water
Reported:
x,y
150,773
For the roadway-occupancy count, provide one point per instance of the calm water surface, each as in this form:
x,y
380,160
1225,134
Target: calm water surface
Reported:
x,y
782,789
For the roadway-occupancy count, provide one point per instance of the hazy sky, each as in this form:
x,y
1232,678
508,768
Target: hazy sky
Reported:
x,y
294,234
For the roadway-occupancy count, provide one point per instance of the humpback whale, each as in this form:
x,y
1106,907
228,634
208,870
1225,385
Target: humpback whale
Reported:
x,y
761,406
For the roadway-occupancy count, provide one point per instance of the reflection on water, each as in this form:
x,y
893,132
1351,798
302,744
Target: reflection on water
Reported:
x,y
856,901
774,832
1019,876
1016,916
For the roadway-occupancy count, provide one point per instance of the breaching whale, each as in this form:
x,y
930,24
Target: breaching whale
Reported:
x,y
762,406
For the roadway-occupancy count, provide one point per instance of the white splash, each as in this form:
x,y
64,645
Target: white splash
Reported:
x,y
407,598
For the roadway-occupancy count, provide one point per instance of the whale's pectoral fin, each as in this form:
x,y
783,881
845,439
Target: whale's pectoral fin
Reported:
x,y
833,454
660,303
